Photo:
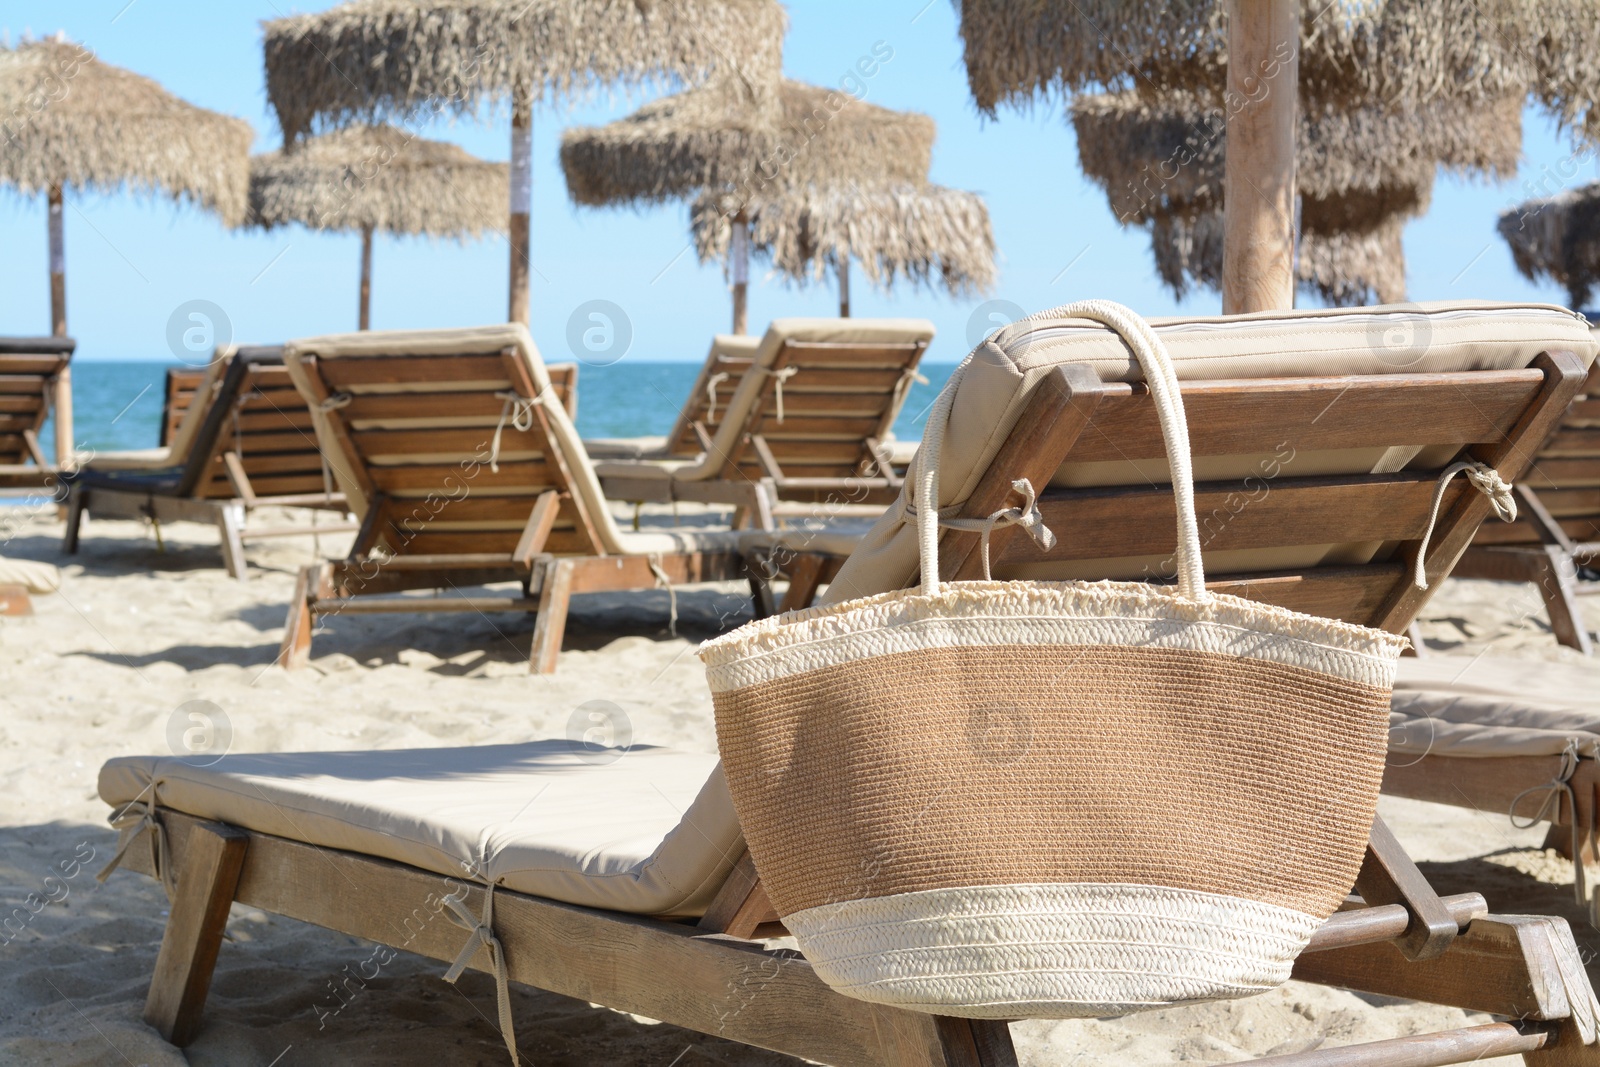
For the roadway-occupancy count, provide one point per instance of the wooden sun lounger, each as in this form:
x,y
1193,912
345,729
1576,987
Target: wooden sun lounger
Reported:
x,y
255,448
436,515
1558,525
32,386
1398,939
838,399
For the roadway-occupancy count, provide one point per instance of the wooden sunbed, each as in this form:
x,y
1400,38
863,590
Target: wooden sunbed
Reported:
x,y
253,447
409,424
181,384
707,403
31,388
838,385
713,975
1558,523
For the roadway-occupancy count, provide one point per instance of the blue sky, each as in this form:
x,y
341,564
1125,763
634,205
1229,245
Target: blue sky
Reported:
x,y
131,263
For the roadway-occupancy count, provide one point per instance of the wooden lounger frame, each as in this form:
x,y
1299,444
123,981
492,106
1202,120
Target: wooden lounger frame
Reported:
x,y
257,448
33,373
697,421
530,526
1398,939
839,408
1558,526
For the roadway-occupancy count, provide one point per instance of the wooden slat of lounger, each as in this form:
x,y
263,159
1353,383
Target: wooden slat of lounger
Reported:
x,y
1352,594
470,441
852,355
411,370
1234,418
376,406
1573,442
279,420
21,403
421,478
1524,533
477,507
22,383
499,542
1128,521
40,365
1564,503
1553,472
843,380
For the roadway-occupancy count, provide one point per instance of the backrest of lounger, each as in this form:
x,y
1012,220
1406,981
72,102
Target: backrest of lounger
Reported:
x,y
1566,477
29,370
564,380
842,381
713,390
1317,450
181,386
407,420
266,428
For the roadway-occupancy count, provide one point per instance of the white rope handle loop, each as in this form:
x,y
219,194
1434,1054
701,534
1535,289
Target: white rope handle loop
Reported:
x,y
482,936
1486,480
517,410
1153,359
711,393
778,378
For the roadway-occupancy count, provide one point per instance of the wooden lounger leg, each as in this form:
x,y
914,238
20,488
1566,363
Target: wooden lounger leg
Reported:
x,y
296,649
1557,579
230,524
975,1042
75,507
758,571
14,600
805,575
206,884
555,595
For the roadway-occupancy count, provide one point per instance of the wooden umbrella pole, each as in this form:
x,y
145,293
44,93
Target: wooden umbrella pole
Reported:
x,y
844,287
1258,179
365,319
739,272
61,406
521,201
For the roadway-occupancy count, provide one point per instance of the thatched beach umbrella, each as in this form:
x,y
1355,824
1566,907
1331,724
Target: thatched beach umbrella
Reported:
x,y
73,123
1558,238
377,178
1364,172
1263,58
927,234
392,60
1354,166
713,141
1343,268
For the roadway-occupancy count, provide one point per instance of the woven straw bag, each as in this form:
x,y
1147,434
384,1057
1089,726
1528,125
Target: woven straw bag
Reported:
x,y
1054,799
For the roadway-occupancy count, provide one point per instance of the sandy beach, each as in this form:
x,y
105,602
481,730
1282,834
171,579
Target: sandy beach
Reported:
x,y
102,668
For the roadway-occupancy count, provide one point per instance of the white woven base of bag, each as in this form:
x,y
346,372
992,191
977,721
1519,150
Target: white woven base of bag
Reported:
x,y
1054,799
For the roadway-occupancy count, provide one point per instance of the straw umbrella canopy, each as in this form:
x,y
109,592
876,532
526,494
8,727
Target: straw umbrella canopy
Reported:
x,y
1558,238
713,141
377,178
1245,52
1343,268
392,60
74,123
926,234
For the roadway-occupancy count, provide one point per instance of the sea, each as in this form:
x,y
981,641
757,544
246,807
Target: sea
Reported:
x,y
117,405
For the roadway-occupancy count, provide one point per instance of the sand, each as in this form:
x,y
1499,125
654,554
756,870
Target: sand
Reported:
x,y
102,669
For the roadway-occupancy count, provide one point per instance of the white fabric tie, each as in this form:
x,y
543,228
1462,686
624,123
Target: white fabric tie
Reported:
x,y
779,377
482,936
140,817
903,386
1486,480
711,393
1553,790
663,582
335,402
517,410
1026,516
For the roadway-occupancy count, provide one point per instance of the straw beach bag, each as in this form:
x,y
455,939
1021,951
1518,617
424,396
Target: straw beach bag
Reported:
x,y
963,799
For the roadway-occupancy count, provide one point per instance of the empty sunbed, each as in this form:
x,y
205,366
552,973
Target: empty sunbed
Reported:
x,y
457,454
249,444
810,422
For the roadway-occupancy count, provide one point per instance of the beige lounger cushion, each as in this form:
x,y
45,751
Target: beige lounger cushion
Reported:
x,y
753,385
1461,336
645,832
33,576
177,451
624,448
478,339
1470,708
